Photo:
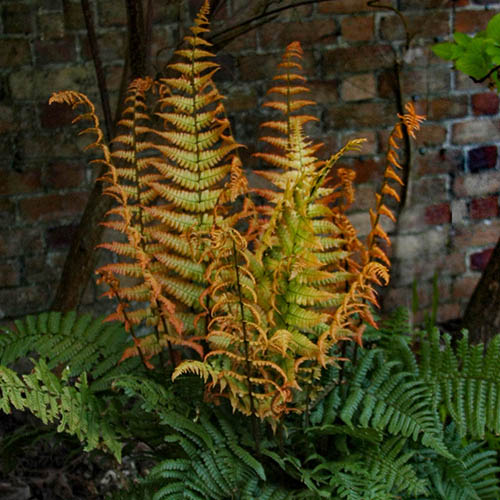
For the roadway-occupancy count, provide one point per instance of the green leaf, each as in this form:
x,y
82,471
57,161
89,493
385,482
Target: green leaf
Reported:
x,y
493,28
462,39
472,65
444,50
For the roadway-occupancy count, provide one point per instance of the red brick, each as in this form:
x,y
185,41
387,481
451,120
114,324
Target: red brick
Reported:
x,y
438,214
479,260
357,59
56,115
420,4
344,7
323,92
447,107
55,51
63,175
18,241
485,104
279,35
359,87
416,82
357,28
463,286
472,21
420,26
483,158
483,208
53,206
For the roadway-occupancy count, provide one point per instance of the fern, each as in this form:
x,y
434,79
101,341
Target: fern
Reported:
x,y
72,405
78,343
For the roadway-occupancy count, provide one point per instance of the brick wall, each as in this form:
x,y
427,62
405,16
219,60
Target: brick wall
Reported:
x,y
450,222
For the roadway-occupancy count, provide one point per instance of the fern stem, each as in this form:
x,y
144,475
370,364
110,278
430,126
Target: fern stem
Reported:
x,y
247,359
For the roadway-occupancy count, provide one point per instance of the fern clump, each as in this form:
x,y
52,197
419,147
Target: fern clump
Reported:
x,y
236,305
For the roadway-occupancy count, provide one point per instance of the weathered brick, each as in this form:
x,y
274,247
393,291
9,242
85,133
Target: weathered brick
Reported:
x,y
447,107
15,52
362,115
241,100
7,213
279,35
13,182
18,19
359,87
448,312
357,28
430,189
482,158
431,135
51,26
420,4
112,14
439,162
10,274
477,185
40,83
53,206
476,235
479,260
438,214
484,208
357,59
474,131
112,46
421,82
344,7
369,147
323,92
416,246
262,67
464,82
7,122
18,301
244,42
64,174
419,25
485,103
44,268
463,286
14,242
73,16
55,51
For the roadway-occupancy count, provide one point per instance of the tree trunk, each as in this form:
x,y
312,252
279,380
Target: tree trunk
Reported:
x,y
482,316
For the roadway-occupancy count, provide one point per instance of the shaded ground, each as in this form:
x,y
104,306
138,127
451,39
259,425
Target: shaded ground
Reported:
x,y
38,464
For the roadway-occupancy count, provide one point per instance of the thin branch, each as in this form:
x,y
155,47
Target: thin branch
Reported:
x,y
375,4
481,80
259,17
